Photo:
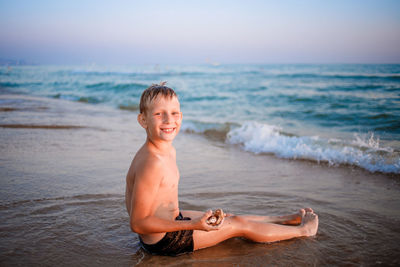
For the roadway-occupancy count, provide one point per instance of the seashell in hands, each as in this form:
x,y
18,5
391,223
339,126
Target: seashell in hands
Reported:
x,y
216,218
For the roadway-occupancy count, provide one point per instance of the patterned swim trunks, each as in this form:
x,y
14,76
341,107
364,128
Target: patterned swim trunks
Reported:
x,y
173,243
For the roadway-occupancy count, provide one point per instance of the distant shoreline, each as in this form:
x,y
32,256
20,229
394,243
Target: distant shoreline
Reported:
x,y
16,62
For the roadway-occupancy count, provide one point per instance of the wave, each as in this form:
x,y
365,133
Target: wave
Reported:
x,y
93,73
129,107
47,127
82,99
363,151
205,98
89,99
18,84
349,87
214,131
9,84
117,87
358,76
148,72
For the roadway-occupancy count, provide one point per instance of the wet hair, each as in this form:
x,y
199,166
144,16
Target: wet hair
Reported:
x,y
152,92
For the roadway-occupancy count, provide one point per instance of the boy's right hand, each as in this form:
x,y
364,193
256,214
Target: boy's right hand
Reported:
x,y
203,225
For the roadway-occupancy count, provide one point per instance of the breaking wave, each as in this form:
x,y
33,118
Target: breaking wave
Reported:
x,y
362,151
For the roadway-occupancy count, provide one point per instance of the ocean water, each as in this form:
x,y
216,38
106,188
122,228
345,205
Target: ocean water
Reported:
x,y
339,114
68,135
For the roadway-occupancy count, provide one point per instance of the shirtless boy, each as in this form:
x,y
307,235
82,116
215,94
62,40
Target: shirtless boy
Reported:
x,y
152,192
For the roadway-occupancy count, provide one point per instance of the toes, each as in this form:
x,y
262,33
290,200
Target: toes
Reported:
x,y
313,216
309,210
302,212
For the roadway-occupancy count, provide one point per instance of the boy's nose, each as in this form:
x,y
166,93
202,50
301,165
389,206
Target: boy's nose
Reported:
x,y
166,118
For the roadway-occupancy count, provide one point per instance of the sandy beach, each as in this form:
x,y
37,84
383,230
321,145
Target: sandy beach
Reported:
x,y
63,167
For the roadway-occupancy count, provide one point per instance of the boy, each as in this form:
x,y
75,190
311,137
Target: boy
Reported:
x,y
152,192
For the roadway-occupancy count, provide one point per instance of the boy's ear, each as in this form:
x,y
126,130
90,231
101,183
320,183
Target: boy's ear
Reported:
x,y
142,120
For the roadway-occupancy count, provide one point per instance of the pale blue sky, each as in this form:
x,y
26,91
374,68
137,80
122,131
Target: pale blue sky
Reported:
x,y
137,32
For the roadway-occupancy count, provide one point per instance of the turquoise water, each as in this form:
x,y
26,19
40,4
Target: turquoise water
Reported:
x,y
340,114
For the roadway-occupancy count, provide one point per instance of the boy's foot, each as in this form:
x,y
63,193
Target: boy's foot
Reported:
x,y
310,224
309,210
296,218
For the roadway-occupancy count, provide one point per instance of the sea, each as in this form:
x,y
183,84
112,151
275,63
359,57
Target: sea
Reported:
x,y
255,139
339,114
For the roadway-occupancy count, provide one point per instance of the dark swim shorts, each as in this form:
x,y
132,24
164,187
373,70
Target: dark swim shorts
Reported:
x,y
173,243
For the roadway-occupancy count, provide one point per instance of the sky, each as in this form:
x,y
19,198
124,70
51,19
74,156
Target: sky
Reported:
x,y
194,32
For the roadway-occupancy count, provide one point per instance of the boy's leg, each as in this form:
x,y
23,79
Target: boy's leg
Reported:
x,y
238,226
293,219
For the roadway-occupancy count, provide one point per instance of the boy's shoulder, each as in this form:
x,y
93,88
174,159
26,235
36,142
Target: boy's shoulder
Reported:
x,y
147,155
147,162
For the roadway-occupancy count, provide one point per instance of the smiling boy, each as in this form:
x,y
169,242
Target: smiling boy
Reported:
x,y
152,192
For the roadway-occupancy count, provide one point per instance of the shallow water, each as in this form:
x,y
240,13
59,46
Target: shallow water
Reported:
x,y
62,194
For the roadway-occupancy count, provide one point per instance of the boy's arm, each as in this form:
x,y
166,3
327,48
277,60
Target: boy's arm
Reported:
x,y
142,221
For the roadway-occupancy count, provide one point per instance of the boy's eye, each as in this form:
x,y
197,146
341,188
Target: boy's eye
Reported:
x,y
157,114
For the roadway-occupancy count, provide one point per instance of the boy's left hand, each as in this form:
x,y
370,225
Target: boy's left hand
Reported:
x,y
207,227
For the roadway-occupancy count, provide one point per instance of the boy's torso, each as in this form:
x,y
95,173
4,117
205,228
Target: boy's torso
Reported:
x,y
165,205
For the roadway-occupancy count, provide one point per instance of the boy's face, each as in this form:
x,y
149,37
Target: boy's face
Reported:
x,y
162,119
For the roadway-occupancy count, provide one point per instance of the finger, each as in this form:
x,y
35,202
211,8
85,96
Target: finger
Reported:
x,y
222,222
309,210
219,226
214,228
208,213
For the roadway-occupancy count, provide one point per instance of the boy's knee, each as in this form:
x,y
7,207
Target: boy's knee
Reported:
x,y
240,225
239,220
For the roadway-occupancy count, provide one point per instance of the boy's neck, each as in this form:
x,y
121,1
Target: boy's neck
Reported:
x,y
159,147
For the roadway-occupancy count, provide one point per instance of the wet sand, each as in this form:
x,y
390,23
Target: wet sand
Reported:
x,y
62,194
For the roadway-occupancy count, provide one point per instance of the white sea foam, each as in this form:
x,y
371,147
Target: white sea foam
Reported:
x,y
364,151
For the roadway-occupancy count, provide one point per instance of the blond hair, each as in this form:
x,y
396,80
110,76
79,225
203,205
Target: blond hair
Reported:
x,y
152,92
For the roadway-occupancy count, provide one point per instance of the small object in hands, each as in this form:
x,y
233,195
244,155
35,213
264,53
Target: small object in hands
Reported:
x,y
216,218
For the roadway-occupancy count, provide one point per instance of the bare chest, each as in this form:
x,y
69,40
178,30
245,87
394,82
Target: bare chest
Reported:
x,y
169,182
167,204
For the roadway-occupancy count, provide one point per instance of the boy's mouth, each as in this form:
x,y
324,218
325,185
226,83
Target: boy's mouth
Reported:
x,y
167,130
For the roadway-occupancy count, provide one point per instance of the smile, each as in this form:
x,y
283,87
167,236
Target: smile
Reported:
x,y
168,130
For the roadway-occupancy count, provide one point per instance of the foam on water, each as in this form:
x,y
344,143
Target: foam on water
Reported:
x,y
364,152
